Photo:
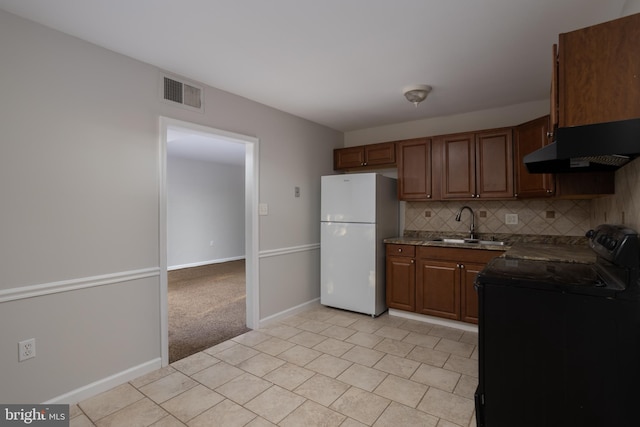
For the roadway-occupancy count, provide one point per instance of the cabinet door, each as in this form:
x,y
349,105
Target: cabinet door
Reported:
x,y
401,283
380,154
494,158
438,288
553,108
345,158
469,297
530,137
414,169
598,73
584,184
459,166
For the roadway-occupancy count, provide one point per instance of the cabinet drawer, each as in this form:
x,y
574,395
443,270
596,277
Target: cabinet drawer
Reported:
x,y
458,254
401,250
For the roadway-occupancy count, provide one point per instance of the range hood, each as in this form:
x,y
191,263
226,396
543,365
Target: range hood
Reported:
x,y
588,148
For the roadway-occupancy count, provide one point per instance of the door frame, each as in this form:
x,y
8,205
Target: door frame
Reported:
x,y
251,222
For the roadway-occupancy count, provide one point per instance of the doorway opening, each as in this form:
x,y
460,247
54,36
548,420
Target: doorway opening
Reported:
x,y
184,139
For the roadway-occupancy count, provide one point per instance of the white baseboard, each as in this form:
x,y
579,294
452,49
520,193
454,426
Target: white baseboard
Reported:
x,y
107,383
201,263
435,320
289,312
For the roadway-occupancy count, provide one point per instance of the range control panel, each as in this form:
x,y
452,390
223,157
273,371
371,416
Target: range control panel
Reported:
x,y
616,243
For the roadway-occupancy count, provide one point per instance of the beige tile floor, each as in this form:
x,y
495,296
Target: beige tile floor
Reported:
x,y
322,367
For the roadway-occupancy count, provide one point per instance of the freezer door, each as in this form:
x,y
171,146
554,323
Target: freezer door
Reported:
x,y
348,272
349,198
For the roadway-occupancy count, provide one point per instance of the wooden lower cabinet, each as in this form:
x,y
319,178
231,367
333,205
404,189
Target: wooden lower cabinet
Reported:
x,y
445,278
401,277
438,289
469,296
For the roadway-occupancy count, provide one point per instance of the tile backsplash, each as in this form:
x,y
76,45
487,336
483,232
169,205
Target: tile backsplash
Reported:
x,y
550,217
535,216
624,206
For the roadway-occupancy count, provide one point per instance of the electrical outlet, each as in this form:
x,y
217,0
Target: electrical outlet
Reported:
x,y
511,219
26,349
263,209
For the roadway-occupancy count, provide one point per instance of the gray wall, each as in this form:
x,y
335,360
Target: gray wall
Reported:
x,y
205,204
79,184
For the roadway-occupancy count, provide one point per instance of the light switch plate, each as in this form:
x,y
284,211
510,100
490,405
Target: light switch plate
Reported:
x,y
511,219
263,209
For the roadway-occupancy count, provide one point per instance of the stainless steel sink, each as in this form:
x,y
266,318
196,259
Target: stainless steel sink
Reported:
x,y
489,242
470,241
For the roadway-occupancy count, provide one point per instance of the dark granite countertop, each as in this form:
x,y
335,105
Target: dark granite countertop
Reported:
x,y
580,254
531,247
422,242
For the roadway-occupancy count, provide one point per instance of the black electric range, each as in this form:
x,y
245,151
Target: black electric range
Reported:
x,y
559,343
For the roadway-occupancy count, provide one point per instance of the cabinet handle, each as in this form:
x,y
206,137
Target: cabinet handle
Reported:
x,y
549,134
549,191
399,249
515,195
412,261
461,265
457,265
428,196
364,164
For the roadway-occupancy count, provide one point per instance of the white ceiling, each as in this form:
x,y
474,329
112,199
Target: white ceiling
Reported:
x,y
340,63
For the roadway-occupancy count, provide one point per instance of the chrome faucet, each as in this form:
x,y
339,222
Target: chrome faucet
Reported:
x,y
472,226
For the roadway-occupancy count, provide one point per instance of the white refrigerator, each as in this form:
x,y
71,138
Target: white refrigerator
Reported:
x,y
358,211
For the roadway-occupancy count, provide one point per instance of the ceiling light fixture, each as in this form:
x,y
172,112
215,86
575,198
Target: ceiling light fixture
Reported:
x,y
416,93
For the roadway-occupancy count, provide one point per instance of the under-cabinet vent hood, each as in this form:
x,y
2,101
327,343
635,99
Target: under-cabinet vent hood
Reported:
x,y
588,148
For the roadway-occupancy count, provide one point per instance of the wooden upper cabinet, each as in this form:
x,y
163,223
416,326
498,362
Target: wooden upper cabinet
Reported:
x,y
414,169
530,137
380,154
599,73
458,166
584,185
365,156
553,108
494,164
346,158
477,165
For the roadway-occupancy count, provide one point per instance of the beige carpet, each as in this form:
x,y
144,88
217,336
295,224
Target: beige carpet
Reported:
x,y
206,307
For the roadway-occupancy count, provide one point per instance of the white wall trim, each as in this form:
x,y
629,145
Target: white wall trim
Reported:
x,y
289,250
290,312
201,263
107,383
435,320
31,291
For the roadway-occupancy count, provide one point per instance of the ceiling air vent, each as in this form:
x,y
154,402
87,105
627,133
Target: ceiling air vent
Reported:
x,y
182,93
